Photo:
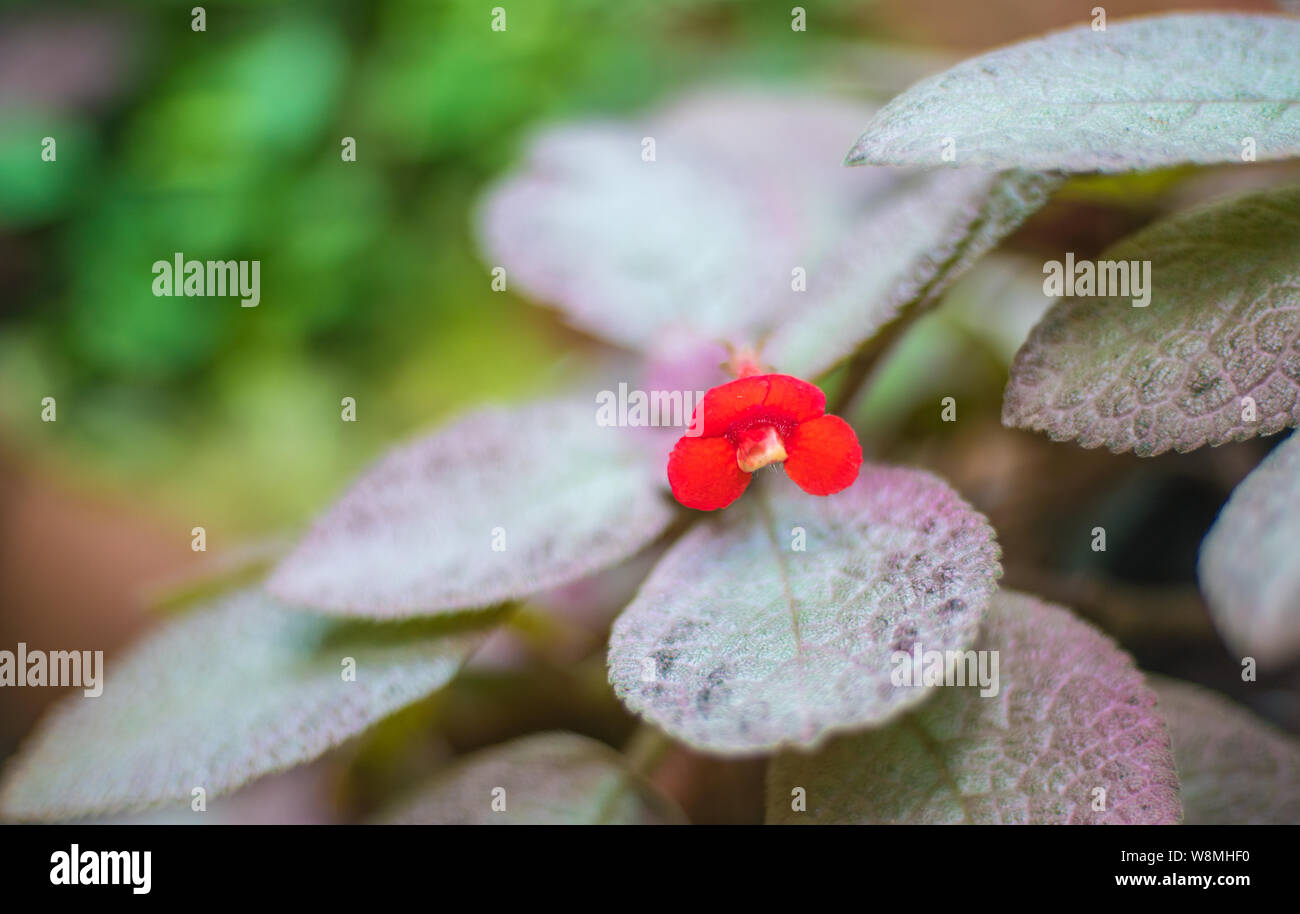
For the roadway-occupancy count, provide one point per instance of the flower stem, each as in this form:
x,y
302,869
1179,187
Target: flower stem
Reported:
x,y
646,748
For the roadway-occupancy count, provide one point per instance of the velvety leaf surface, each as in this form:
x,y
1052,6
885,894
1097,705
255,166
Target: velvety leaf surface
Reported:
x,y
1223,324
745,188
548,779
1141,94
1235,769
1072,714
911,245
1249,565
739,643
416,534
235,690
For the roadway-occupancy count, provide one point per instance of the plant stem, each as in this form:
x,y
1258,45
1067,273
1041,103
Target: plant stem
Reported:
x,y
862,364
646,748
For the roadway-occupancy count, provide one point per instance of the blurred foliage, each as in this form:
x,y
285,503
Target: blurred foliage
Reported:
x,y
225,144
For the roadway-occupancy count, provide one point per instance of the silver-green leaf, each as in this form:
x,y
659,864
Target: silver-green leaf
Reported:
x,y
1140,94
774,624
229,692
500,505
1072,736
914,244
743,225
1235,769
1248,565
543,779
1214,357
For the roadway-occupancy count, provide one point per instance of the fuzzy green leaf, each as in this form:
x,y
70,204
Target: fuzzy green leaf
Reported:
x,y
232,691
1235,769
912,246
1222,325
745,200
1071,715
500,505
543,779
1140,94
741,641
1248,568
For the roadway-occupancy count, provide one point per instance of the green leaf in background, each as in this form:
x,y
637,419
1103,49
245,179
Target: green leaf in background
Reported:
x,y
965,345
543,779
1139,94
774,624
1248,565
499,505
1234,768
1223,325
1072,715
33,190
237,689
744,201
239,111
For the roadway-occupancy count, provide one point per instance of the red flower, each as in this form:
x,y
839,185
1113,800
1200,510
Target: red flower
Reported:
x,y
751,422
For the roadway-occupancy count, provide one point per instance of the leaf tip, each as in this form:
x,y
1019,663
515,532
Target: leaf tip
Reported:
x,y
857,155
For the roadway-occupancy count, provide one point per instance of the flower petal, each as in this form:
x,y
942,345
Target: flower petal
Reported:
x,y
776,398
797,399
703,473
824,455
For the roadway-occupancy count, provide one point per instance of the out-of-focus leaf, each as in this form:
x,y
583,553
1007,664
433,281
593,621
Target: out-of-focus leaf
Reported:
x,y
237,112
1223,324
543,779
1248,566
1071,715
33,190
708,240
1136,95
773,625
500,505
240,688
114,322
1234,768
909,246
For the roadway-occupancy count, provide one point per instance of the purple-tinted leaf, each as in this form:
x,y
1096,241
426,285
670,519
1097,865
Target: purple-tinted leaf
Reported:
x,y
497,506
1249,570
746,198
1234,768
773,624
1140,94
543,779
1214,357
1072,718
911,245
237,689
